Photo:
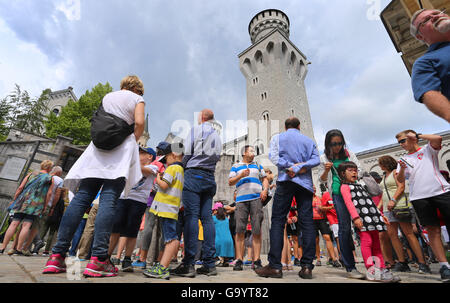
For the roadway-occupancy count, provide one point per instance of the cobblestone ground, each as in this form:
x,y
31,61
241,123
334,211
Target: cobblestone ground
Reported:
x,y
21,269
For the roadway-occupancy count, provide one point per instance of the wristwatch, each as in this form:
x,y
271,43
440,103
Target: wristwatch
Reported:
x,y
417,136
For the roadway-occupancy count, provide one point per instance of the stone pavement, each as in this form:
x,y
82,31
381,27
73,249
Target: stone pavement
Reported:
x,y
21,269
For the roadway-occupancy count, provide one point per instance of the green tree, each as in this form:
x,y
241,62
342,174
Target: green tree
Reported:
x,y
21,111
74,119
5,109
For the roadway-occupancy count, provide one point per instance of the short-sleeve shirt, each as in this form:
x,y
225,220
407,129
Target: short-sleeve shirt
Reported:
x,y
250,187
316,203
122,104
425,179
432,71
57,183
141,191
167,202
331,214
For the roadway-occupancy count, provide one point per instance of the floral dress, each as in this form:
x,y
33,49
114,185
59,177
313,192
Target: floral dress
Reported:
x,y
32,199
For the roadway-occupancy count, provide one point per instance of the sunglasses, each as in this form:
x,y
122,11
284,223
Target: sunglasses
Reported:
x,y
401,141
336,144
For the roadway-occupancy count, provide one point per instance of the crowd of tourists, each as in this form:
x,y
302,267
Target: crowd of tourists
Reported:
x,y
121,201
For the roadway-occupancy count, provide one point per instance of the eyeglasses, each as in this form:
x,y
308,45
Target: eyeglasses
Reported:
x,y
401,141
437,13
336,144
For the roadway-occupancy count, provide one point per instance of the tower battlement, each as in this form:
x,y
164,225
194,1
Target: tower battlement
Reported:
x,y
266,21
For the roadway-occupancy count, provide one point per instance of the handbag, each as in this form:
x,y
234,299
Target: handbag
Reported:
x,y
400,212
107,130
371,185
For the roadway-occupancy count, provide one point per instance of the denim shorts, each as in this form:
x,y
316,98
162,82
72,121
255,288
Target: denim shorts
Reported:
x,y
169,229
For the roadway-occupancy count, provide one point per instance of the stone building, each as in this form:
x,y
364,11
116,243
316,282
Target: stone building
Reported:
x,y
58,99
23,152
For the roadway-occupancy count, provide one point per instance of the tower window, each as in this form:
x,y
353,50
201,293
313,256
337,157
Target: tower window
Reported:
x,y
55,111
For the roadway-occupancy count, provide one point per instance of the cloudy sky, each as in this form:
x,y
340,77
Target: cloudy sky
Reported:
x,y
186,54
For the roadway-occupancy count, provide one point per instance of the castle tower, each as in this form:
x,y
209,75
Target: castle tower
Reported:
x,y
275,70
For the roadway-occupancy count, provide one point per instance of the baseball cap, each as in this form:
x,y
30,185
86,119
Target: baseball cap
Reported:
x,y
164,148
149,150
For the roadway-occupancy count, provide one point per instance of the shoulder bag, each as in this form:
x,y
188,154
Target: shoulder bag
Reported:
x,y
107,130
400,212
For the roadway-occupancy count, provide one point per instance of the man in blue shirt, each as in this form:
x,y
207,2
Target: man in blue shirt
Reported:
x,y
431,72
203,147
295,155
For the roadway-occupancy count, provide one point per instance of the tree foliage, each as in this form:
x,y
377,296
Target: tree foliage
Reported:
x,y
20,111
74,119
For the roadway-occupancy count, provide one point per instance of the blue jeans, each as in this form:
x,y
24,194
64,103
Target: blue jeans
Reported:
x,y
281,205
345,232
198,192
73,215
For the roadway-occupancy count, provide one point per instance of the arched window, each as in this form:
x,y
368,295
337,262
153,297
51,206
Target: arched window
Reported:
x,y
55,111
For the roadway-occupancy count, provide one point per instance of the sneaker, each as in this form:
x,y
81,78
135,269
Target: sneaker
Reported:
x,y
381,275
209,271
27,253
198,262
97,268
318,263
2,251
46,254
126,265
424,269
38,246
158,271
55,265
115,261
247,262
223,264
11,252
257,264
445,273
184,270
297,262
238,265
336,264
139,264
355,274
401,267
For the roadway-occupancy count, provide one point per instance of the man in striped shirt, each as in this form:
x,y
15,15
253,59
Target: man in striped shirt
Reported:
x,y
252,187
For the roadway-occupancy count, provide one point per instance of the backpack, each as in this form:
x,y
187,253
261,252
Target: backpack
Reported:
x,y
107,130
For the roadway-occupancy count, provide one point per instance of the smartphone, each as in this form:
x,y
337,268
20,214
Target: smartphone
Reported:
x,y
406,162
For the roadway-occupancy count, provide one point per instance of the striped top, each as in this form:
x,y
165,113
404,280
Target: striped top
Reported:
x,y
250,187
168,202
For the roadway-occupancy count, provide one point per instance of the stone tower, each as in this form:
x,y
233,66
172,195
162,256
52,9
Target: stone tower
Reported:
x,y
275,70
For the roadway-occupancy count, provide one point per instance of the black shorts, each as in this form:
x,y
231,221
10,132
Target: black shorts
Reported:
x,y
128,217
322,226
426,209
292,229
24,217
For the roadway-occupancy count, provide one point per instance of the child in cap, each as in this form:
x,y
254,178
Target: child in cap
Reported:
x,y
166,205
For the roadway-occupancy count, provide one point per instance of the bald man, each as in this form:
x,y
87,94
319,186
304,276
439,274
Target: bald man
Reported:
x,y
431,72
203,147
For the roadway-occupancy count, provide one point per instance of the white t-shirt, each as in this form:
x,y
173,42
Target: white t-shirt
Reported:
x,y
57,183
122,104
425,179
121,161
141,191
